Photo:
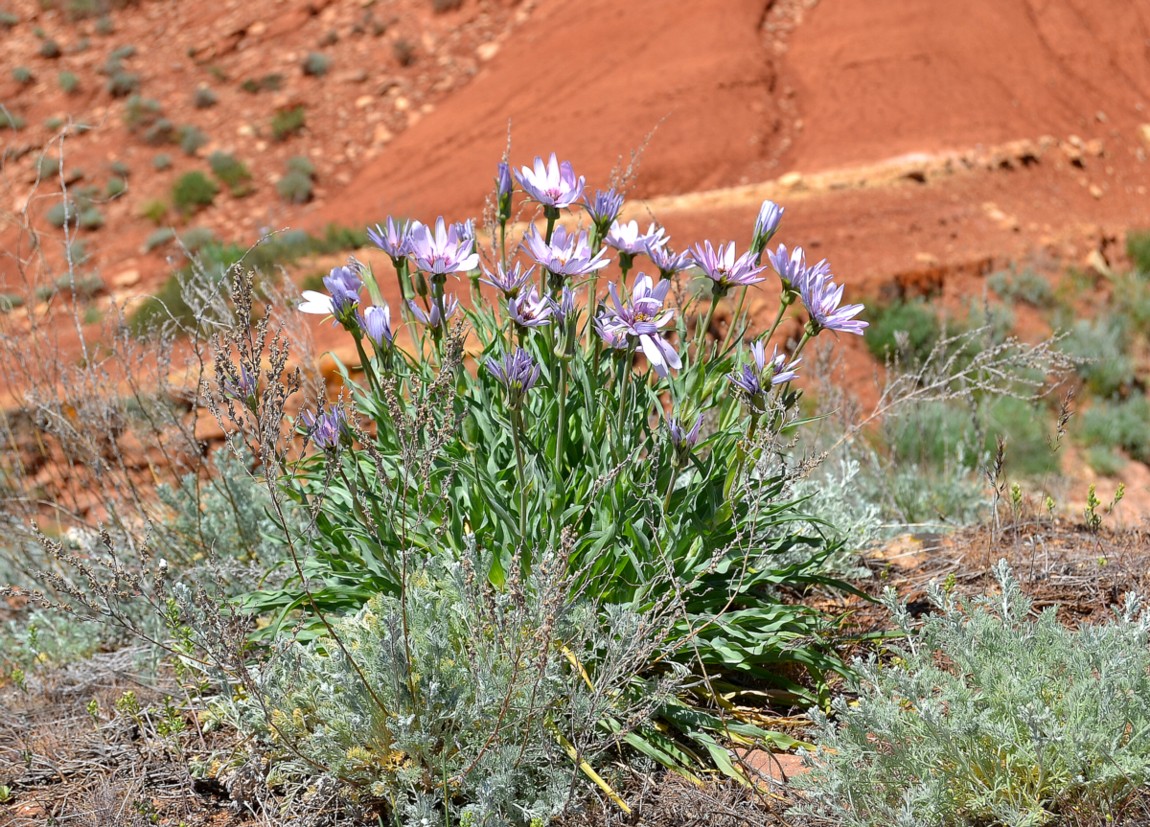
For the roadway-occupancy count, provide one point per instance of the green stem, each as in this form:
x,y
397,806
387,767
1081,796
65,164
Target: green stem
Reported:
x,y
734,319
516,425
785,302
701,333
561,432
551,214
624,392
503,244
365,365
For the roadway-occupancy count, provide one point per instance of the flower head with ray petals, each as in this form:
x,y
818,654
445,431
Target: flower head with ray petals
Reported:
x,y
552,184
683,439
443,250
754,381
723,269
529,310
431,318
604,207
822,298
394,239
640,317
626,238
508,282
343,285
376,324
516,372
667,261
568,254
328,430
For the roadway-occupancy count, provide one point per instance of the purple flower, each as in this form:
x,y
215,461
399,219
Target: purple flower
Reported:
x,y
723,269
822,297
552,184
793,269
328,429
395,240
242,388
443,250
604,207
343,284
683,440
376,323
614,335
640,318
667,261
528,310
563,309
766,225
516,372
568,254
503,180
431,318
626,238
508,282
754,382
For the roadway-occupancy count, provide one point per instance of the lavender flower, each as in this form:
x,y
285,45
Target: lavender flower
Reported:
x,y
443,250
516,372
822,297
626,238
564,308
508,282
640,318
552,184
755,382
668,261
431,318
503,190
614,336
529,310
766,225
793,269
242,388
723,269
604,207
343,285
328,430
395,240
683,440
376,323
568,254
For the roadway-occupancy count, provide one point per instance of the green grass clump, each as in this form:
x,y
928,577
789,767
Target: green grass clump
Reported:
x,y
906,329
50,49
1026,428
121,84
115,187
296,186
47,166
162,162
1025,286
162,132
23,75
987,715
193,191
1138,249
1102,348
160,237
288,122
316,64
232,173
10,120
1124,424
267,83
204,98
191,139
69,82
8,20
155,210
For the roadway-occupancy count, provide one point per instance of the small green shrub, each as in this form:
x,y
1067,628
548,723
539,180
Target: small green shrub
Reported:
x,y
295,187
1024,286
1026,429
160,133
907,329
316,64
1121,424
987,715
121,84
197,239
192,139
154,210
10,301
50,49
934,434
10,120
232,173
160,237
90,218
8,20
54,123
47,166
69,82
105,26
23,75
1101,347
267,83
120,168
288,122
301,164
141,113
193,191
60,213
1138,249
123,52
161,162
116,187
204,98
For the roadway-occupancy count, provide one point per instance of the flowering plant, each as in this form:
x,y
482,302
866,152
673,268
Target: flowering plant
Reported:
x,y
549,417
